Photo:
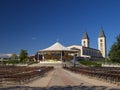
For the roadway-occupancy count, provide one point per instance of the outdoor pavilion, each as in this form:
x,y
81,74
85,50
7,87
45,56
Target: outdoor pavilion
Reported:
x,y
56,48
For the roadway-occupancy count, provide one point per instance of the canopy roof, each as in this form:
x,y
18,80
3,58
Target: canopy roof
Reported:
x,y
56,47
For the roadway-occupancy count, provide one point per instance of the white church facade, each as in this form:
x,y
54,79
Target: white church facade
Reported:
x,y
85,51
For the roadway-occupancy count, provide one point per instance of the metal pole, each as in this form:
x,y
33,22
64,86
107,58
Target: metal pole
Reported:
x,y
61,55
38,56
74,60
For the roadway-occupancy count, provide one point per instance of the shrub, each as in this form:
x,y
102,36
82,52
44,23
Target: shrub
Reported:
x,y
90,63
10,62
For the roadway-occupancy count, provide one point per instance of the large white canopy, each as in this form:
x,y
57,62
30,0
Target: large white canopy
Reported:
x,y
56,47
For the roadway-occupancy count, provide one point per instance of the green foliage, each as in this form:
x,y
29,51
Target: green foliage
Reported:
x,y
10,62
104,61
23,56
101,61
114,53
90,63
13,61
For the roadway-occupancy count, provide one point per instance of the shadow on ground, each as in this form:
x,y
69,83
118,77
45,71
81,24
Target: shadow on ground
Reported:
x,y
80,87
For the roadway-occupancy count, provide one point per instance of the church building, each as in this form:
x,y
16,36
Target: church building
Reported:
x,y
87,52
83,51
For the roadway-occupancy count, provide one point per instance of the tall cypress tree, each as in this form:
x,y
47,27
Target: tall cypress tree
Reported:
x,y
114,53
23,56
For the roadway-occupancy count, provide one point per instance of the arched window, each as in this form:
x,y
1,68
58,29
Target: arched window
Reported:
x,y
100,40
84,43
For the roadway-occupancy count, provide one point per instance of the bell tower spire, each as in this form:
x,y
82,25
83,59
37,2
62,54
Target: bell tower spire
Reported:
x,y
102,43
85,40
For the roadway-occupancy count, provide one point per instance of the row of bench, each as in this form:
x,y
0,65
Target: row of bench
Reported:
x,y
20,75
109,74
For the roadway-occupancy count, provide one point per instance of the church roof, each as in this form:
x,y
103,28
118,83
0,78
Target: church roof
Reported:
x,y
56,47
101,33
85,36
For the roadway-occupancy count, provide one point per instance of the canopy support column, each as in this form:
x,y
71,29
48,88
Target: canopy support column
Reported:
x,y
38,56
61,56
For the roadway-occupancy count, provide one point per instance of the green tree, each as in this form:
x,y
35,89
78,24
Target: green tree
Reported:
x,y
114,53
23,56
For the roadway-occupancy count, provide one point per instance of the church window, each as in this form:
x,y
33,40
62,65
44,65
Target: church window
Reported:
x,y
101,46
84,43
100,40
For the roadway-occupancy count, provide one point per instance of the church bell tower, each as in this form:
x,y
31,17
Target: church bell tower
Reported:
x,y
85,40
102,43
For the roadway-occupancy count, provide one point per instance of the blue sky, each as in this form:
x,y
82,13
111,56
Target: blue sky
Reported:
x,y
36,24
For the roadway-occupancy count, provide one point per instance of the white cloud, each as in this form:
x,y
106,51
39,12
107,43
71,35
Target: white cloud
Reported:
x,y
34,38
